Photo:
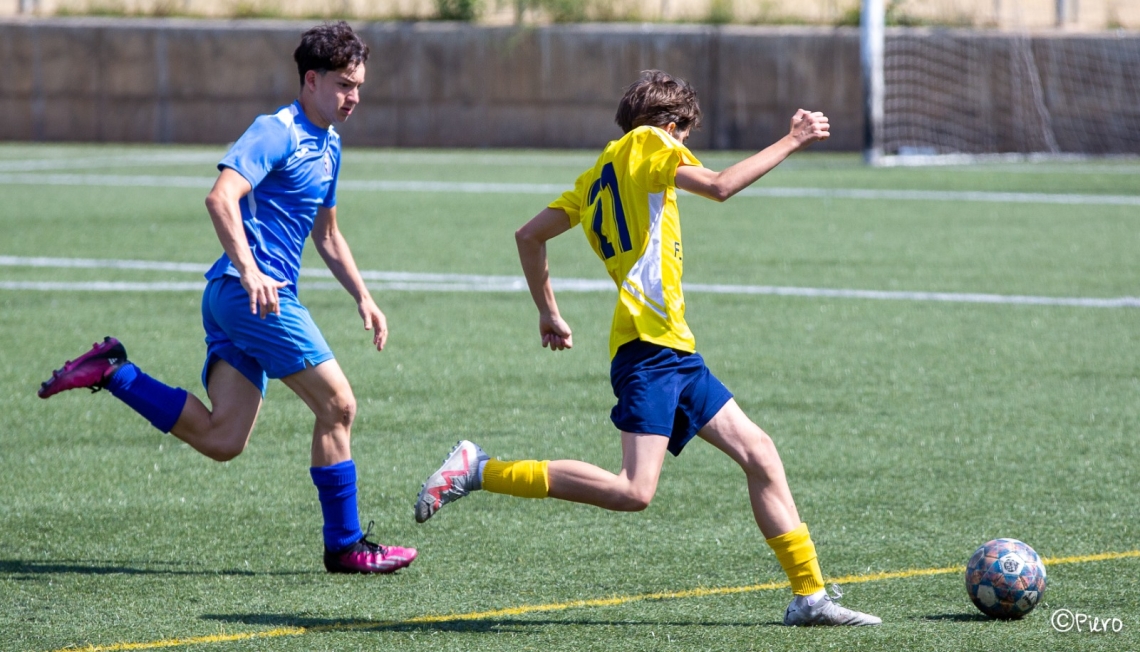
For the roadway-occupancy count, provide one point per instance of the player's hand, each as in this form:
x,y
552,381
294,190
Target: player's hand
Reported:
x,y
555,333
262,291
808,127
374,321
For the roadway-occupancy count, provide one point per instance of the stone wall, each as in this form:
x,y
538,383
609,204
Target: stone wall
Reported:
x,y
457,85
428,84
1082,15
433,85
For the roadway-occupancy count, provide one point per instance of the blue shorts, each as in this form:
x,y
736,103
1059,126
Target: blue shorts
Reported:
x,y
662,391
274,347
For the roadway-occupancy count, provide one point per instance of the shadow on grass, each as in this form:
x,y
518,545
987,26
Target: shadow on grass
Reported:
x,y
961,618
90,567
458,624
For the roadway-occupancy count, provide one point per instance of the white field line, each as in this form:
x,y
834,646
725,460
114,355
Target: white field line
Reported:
x,y
418,282
1015,164
103,180
474,187
101,263
944,195
103,286
927,160
104,162
500,159
1068,170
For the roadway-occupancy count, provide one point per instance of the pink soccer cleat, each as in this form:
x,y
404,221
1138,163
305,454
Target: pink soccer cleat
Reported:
x,y
365,556
92,369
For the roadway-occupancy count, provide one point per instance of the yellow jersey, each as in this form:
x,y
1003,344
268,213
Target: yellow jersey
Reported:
x,y
627,206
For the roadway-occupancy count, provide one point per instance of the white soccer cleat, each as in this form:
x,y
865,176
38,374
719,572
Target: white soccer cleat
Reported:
x,y
458,477
825,611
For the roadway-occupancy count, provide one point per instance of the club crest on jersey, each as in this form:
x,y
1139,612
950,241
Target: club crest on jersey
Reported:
x,y
328,164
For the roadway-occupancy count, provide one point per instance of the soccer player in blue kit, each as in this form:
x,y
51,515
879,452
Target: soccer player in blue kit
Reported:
x,y
277,186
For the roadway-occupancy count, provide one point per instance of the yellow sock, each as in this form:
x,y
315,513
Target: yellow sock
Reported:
x,y
796,553
525,478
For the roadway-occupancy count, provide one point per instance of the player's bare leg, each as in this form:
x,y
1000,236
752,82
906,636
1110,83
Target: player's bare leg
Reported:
x,y
467,468
734,433
629,490
325,389
775,511
221,433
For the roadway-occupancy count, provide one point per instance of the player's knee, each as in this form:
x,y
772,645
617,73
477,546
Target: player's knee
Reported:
x,y
638,503
346,410
636,499
761,458
224,450
766,448
223,439
340,411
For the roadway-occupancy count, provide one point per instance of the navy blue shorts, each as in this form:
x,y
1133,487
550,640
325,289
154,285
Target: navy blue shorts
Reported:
x,y
274,347
662,391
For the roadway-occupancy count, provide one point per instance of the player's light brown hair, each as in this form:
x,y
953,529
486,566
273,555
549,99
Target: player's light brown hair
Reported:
x,y
657,99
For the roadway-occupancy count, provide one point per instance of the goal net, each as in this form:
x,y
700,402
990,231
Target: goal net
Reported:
x,y
949,96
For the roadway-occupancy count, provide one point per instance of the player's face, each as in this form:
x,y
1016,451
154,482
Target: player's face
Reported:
x,y
336,92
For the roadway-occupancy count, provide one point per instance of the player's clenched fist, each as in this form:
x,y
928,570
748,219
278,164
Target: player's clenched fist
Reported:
x,y
809,126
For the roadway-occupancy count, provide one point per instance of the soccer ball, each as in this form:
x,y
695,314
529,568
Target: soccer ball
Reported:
x,y
1005,579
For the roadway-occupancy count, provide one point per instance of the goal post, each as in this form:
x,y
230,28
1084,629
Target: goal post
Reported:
x,y
944,96
872,24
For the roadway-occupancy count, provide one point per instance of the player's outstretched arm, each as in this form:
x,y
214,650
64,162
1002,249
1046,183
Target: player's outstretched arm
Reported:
x,y
807,127
531,240
334,250
222,203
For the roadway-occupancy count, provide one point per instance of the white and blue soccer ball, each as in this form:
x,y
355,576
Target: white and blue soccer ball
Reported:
x,y
1005,579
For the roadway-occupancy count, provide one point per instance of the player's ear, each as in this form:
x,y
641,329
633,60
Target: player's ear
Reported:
x,y
311,79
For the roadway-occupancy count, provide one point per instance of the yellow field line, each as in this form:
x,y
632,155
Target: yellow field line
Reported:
x,y
561,606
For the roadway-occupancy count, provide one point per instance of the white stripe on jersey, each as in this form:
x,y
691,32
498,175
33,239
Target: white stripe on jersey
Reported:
x,y
644,279
251,203
286,114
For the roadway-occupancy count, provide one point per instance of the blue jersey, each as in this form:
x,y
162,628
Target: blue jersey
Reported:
x,y
292,166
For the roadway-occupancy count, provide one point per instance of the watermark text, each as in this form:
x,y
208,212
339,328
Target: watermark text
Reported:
x,y
1065,620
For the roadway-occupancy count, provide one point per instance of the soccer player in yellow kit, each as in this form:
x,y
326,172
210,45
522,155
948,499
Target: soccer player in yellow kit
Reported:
x,y
627,206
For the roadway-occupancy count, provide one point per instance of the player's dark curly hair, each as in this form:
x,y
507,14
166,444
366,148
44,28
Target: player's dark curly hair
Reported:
x,y
331,46
657,99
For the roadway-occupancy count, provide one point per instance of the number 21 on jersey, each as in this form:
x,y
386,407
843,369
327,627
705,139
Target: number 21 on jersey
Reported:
x,y
608,182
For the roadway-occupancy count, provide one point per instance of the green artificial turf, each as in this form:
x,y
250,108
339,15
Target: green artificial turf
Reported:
x,y
911,431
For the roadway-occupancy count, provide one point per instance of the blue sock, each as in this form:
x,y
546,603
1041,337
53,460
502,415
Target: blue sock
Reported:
x,y
336,487
159,403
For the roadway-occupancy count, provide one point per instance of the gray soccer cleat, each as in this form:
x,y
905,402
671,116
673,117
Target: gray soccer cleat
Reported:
x,y
825,612
458,477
